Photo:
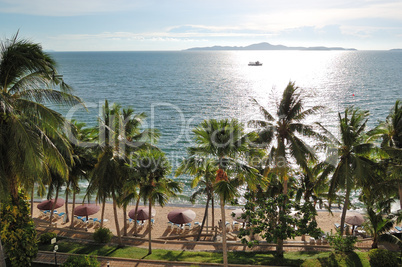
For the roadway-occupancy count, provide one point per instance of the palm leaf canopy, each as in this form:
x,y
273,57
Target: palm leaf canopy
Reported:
x,y
285,135
31,142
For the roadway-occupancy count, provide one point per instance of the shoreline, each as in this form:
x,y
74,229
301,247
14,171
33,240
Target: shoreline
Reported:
x,y
160,229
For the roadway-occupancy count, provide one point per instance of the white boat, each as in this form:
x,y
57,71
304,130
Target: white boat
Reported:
x,y
256,63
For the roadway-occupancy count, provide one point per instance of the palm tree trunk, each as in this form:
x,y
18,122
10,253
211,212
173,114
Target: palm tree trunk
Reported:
x,y
135,215
2,258
204,219
224,246
54,205
32,200
400,194
345,208
116,220
72,211
66,205
125,220
213,211
103,212
279,246
149,228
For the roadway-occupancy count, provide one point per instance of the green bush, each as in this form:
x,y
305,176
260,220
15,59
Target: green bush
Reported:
x,y
17,231
44,239
383,258
103,235
342,243
81,261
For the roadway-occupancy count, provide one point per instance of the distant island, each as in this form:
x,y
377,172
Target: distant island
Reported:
x,y
266,46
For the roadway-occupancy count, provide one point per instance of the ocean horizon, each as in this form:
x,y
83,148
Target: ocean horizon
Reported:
x,y
179,89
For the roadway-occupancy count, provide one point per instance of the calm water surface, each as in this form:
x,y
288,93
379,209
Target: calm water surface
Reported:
x,y
180,89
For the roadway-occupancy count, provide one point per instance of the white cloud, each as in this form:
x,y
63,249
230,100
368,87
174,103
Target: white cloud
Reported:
x,y
319,17
65,8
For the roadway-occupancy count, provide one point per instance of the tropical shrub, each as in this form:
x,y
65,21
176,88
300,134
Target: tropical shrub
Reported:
x,y
103,235
81,261
17,231
383,258
342,243
45,238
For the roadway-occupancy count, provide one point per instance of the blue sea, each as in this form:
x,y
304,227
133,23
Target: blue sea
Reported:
x,y
180,89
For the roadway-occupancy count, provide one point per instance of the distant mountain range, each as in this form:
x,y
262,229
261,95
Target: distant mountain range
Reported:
x,y
267,46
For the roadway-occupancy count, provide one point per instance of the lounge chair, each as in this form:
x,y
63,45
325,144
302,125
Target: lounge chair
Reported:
x,y
197,224
187,226
235,226
169,225
398,228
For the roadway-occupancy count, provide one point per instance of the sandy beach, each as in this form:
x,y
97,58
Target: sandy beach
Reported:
x,y
160,228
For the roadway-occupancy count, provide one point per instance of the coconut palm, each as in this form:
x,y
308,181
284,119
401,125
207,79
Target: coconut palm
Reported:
x,y
204,172
314,183
354,167
285,136
152,166
120,135
226,144
390,131
83,160
28,78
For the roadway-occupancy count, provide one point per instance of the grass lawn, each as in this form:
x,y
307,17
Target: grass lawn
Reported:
x,y
239,257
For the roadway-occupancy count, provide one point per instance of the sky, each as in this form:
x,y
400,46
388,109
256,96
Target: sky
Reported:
x,y
164,25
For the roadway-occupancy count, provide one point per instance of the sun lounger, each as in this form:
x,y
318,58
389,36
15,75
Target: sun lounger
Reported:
x,y
197,224
227,224
398,228
187,226
235,226
169,225
130,221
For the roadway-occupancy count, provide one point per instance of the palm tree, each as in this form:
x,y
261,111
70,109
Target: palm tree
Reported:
x,y
314,183
120,135
204,172
83,161
28,77
354,166
152,166
390,131
226,144
287,130
289,133
378,211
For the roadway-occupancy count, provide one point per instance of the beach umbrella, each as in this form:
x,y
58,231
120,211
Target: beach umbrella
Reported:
x,y
48,204
181,216
236,214
354,218
142,213
86,210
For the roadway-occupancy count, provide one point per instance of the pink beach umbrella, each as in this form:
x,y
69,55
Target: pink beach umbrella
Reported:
x,y
86,210
142,213
354,218
48,204
180,216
